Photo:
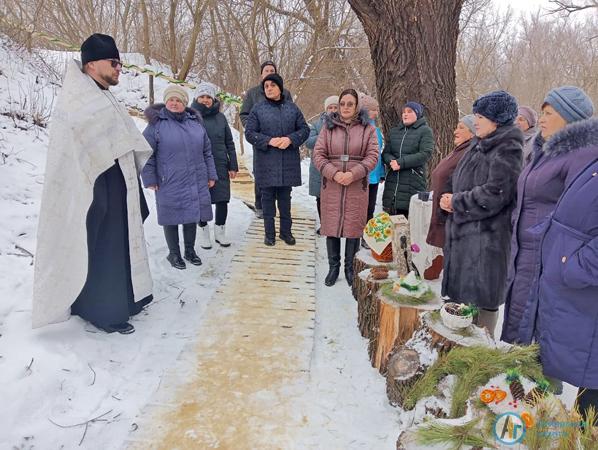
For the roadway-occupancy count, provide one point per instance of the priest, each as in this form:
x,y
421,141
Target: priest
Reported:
x,y
91,255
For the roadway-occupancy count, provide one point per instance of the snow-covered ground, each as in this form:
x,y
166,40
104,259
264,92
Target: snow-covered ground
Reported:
x,y
66,374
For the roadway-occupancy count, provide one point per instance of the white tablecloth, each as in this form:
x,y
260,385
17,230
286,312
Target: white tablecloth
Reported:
x,y
420,214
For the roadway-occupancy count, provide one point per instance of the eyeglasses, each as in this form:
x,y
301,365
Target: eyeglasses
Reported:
x,y
348,104
115,63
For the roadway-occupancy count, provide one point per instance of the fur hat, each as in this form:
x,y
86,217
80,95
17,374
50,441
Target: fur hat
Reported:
x,y
98,46
571,102
274,77
332,100
498,106
529,115
369,102
268,63
174,90
416,107
204,88
468,121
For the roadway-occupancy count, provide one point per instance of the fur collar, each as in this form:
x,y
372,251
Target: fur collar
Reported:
x,y
334,119
502,134
574,136
155,112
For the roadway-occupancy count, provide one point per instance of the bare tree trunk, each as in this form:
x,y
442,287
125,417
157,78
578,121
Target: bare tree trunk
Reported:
x,y
413,45
190,54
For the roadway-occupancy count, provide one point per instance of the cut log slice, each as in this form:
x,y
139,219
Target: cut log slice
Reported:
x,y
444,338
403,370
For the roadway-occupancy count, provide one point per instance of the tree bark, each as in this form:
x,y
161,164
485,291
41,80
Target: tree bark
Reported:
x,y
413,45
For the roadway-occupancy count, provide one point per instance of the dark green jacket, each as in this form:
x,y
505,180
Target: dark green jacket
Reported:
x,y
412,147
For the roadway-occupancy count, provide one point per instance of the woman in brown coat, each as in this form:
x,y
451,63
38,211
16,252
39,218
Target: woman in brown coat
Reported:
x,y
464,133
345,153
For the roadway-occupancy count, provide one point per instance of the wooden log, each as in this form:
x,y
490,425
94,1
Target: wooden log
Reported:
x,y
365,290
397,323
364,260
403,370
431,335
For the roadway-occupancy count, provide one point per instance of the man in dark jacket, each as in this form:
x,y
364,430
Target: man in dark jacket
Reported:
x,y
254,96
276,128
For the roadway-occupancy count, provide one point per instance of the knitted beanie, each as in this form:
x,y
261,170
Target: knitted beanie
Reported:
x,y
416,107
468,121
498,106
176,91
369,103
204,88
268,63
529,115
332,100
571,102
274,77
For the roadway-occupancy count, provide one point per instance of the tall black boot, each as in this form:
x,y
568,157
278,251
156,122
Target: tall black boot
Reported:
x,y
351,247
333,247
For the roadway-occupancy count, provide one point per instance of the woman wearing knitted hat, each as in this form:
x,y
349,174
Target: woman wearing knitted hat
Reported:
x,y
526,120
561,150
480,197
406,153
180,171
315,179
464,133
225,159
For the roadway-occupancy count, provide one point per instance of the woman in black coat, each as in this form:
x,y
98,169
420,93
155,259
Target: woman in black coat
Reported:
x,y
479,200
276,128
225,159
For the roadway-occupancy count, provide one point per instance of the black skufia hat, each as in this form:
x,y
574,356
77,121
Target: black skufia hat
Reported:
x,y
98,46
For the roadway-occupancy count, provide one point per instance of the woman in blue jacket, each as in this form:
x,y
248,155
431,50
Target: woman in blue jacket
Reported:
x,y
180,171
563,315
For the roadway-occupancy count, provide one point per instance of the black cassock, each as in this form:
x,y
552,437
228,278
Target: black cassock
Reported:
x,y
107,296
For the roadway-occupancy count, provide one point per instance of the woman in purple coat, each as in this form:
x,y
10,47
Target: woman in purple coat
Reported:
x,y
180,171
564,315
554,163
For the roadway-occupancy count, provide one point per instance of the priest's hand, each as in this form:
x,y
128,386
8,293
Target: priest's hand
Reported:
x,y
153,187
232,174
211,183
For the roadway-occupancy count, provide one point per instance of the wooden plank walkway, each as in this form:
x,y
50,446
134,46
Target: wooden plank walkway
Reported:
x,y
235,388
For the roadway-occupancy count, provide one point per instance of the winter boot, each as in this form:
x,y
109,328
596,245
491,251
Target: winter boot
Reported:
x,y
351,247
205,241
288,238
333,247
192,257
220,235
176,261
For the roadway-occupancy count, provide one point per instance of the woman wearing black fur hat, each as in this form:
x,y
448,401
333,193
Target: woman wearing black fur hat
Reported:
x,y
479,200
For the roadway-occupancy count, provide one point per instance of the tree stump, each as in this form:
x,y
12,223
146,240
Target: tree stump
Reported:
x,y
396,324
403,370
365,290
432,335
364,260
